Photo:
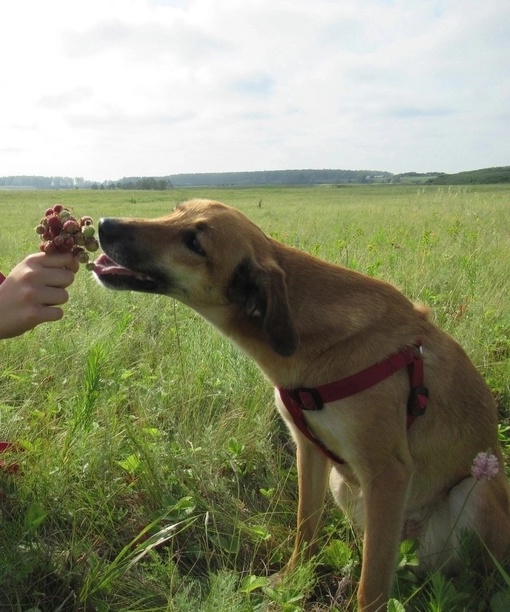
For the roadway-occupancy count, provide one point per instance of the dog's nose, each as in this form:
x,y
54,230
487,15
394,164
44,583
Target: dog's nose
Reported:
x,y
109,228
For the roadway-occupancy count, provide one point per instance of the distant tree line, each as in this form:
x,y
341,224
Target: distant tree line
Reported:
x,y
44,182
279,177
486,176
160,184
147,183
263,178
65,182
235,179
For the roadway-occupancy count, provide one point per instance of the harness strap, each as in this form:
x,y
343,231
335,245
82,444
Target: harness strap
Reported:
x,y
298,400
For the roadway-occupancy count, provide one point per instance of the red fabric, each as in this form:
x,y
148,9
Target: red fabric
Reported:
x,y
298,400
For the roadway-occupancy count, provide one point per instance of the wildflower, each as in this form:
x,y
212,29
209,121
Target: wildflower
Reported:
x,y
485,466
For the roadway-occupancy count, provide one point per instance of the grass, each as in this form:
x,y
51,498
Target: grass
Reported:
x,y
156,474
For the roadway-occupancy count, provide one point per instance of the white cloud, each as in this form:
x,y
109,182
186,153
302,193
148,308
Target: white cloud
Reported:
x,y
111,88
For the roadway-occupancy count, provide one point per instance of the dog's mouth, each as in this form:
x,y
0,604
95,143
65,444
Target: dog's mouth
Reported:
x,y
116,276
106,266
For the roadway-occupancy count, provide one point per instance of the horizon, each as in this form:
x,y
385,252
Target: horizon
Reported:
x,y
370,173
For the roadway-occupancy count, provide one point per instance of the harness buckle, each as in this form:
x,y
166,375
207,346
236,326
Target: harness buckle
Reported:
x,y
417,402
303,395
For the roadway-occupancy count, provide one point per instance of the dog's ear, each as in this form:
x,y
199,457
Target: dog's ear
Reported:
x,y
262,292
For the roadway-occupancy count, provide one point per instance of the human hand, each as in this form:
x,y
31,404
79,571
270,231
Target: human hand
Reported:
x,y
32,293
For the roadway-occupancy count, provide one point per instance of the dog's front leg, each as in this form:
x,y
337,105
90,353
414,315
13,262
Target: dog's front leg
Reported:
x,y
313,469
384,496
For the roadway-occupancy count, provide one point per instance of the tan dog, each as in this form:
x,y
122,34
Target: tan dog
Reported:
x,y
307,323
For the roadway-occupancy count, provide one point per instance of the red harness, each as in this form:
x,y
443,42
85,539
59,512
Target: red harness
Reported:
x,y
303,398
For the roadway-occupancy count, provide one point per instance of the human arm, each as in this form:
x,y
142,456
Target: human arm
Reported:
x,y
33,292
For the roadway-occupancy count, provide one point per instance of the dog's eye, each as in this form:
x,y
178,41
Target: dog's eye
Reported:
x,y
191,241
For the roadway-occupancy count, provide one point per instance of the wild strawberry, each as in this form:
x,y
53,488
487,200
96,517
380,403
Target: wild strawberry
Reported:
x,y
58,241
49,247
83,257
71,227
54,222
91,244
62,232
88,231
68,241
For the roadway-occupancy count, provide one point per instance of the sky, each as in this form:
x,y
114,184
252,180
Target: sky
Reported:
x,y
103,89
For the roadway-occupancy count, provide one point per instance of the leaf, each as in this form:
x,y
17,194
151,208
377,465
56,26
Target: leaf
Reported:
x,y
337,554
130,464
235,448
261,531
230,544
395,606
162,536
152,431
34,517
268,493
180,509
408,553
250,583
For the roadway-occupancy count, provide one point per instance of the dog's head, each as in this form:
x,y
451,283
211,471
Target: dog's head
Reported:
x,y
208,256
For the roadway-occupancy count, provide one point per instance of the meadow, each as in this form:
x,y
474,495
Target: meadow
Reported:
x,y
155,473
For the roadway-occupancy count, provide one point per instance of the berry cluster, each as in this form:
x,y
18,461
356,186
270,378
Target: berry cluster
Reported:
x,y
61,232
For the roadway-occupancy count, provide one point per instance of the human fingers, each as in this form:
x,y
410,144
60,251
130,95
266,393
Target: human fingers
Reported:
x,y
59,260
56,277
56,270
51,296
49,313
